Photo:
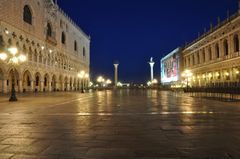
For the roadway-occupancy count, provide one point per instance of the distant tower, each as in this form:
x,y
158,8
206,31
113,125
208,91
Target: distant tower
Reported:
x,y
116,72
151,63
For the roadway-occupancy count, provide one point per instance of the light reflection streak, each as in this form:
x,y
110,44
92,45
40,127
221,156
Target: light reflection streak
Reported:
x,y
125,114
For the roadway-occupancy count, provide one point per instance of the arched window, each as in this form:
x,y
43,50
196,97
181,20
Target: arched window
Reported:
x,y
1,42
217,51
27,14
84,52
236,43
225,46
75,46
49,30
193,60
198,58
204,55
63,38
37,81
210,53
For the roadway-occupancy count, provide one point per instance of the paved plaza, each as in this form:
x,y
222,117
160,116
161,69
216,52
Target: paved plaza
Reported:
x,y
124,124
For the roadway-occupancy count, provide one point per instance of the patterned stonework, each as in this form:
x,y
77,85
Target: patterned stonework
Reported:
x,y
52,64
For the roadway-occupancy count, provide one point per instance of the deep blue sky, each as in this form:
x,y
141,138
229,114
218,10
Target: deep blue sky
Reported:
x,y
131,31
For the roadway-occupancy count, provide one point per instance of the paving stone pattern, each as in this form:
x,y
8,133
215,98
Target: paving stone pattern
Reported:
x,y
122,124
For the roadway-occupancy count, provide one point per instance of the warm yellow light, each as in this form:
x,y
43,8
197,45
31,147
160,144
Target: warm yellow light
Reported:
x,y
14,60
22,58
119,84
217,74
3,56
90,84
13,50
227,74
82,72
108,81
100,79
203,76
237,72
187,73
209,75
6,31
154,81
149,83
86,75
80,75
50,51
42,47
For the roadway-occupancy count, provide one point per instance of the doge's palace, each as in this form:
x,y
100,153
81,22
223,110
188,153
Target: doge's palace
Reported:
x,y
55,47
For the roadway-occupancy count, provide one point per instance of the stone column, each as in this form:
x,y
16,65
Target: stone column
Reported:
x,y
62,86
151,63
32,86
116,73
41,86
68,86
4,86
49,86
57,86
20,86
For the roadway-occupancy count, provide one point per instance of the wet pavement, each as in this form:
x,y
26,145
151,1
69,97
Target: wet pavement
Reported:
x,y
136,124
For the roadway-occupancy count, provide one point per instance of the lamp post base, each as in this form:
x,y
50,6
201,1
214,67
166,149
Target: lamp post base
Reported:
x,y
82,91
13,97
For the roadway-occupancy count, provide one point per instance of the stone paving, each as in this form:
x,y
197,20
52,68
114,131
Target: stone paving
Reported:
x,y
124,124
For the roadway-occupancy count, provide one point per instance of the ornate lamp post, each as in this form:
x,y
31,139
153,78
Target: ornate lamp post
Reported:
x,y
101,80
86,76
12,57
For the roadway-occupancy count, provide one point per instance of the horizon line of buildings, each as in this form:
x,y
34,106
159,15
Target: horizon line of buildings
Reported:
x,y
211,60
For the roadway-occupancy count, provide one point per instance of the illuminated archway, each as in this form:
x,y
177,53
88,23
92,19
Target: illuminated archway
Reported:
x,y
27,78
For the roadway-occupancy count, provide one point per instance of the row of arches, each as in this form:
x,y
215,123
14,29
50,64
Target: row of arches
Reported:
x,y
213,52
29,81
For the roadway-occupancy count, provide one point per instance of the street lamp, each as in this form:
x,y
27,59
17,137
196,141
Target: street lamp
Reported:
x,y
100,80
81,76
187,74
86,76
13,58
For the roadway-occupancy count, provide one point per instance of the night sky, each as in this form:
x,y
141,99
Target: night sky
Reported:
x,y
132,31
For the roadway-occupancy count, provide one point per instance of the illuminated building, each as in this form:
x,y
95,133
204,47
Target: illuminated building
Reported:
x,y
171,67
214,58
56,48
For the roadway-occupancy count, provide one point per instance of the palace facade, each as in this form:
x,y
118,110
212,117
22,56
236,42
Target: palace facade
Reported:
x,y
56,48
214,58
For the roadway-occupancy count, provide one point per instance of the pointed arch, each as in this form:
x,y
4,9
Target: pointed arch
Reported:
x,y
27,78
49,30
236,43
225,47
217,51
27,14
63,39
